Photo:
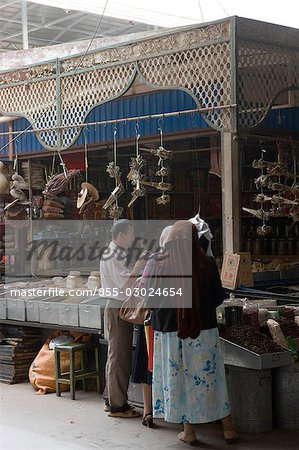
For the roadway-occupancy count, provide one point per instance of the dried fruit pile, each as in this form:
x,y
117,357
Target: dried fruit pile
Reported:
x,y
249,338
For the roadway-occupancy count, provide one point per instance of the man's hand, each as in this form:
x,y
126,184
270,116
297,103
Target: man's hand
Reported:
x,y
140,263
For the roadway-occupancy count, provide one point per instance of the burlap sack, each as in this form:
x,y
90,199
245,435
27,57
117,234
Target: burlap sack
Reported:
x,y
42,369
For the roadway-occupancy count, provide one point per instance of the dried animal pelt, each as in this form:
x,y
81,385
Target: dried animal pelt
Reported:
x,y
58,183
262,164
259,213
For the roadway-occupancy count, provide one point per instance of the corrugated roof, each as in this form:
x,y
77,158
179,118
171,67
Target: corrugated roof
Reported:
x,y
153,103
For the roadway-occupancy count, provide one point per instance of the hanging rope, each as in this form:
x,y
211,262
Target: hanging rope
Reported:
x,y
114,145
62,163
53,164
137,139
85,155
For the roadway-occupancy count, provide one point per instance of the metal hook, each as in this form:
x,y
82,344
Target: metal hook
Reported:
x,y
137,129
160,128
137,138
114,144
15,163
160,124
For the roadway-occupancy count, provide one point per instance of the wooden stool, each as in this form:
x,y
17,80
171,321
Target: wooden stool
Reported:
x,y
74,375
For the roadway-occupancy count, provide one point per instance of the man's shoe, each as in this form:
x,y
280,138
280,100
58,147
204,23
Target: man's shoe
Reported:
x,y
130,413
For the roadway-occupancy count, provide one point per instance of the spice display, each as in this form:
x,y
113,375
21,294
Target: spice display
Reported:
x,y
250,316
288,313
288,327
251,339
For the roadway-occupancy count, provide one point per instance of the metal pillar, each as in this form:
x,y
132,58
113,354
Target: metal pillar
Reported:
x,y
25,25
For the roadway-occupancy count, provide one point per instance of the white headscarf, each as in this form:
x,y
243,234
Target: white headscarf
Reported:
x,y
164,235
203,229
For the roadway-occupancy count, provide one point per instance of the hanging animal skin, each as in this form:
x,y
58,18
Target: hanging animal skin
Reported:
x,y
58,183
264,230
261,198
162,154
114,172
278,212
161,186
114,196
261,181
294,190
137,178
164,199
163,172
139,191
279,170
262,164
136,165
115,212
259,213
278,200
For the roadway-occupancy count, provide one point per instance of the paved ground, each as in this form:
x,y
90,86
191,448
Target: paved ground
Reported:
x,y
32,422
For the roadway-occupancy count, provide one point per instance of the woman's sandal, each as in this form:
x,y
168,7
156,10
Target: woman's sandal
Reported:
x,y
231,437
147,420
188,439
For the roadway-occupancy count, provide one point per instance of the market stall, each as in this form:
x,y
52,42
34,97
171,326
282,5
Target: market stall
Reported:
x,y
153,159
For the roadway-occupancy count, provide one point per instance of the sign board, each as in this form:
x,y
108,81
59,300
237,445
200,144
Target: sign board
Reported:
x,y
245,277
236,270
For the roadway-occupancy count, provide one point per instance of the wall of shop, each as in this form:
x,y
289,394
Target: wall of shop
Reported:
x,y
3,141
154,103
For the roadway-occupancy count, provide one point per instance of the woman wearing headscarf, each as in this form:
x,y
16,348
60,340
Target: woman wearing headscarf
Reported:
x,y
142,361
189,384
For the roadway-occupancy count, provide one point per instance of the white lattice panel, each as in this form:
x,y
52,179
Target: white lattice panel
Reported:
x,y
205,72
263,71
81,92
36,102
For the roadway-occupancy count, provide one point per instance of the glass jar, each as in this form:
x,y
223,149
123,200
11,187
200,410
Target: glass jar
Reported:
x,y
94,280
74,280
233,315
220,314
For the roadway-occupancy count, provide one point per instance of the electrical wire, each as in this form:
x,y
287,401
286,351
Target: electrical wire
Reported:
x,y
201,11
222,7
75,71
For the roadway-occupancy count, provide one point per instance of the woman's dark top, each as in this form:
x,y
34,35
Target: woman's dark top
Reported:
x,y
165,319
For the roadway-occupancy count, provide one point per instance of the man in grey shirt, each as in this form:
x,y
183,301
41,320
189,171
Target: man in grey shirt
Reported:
x,y
116,278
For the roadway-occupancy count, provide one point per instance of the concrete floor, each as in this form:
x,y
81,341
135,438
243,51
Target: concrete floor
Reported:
x,y
32,422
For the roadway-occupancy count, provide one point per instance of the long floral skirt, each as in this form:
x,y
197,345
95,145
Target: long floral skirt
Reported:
x,y
189,383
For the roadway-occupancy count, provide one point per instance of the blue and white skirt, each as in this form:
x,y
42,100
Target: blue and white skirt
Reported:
x,y
189,383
